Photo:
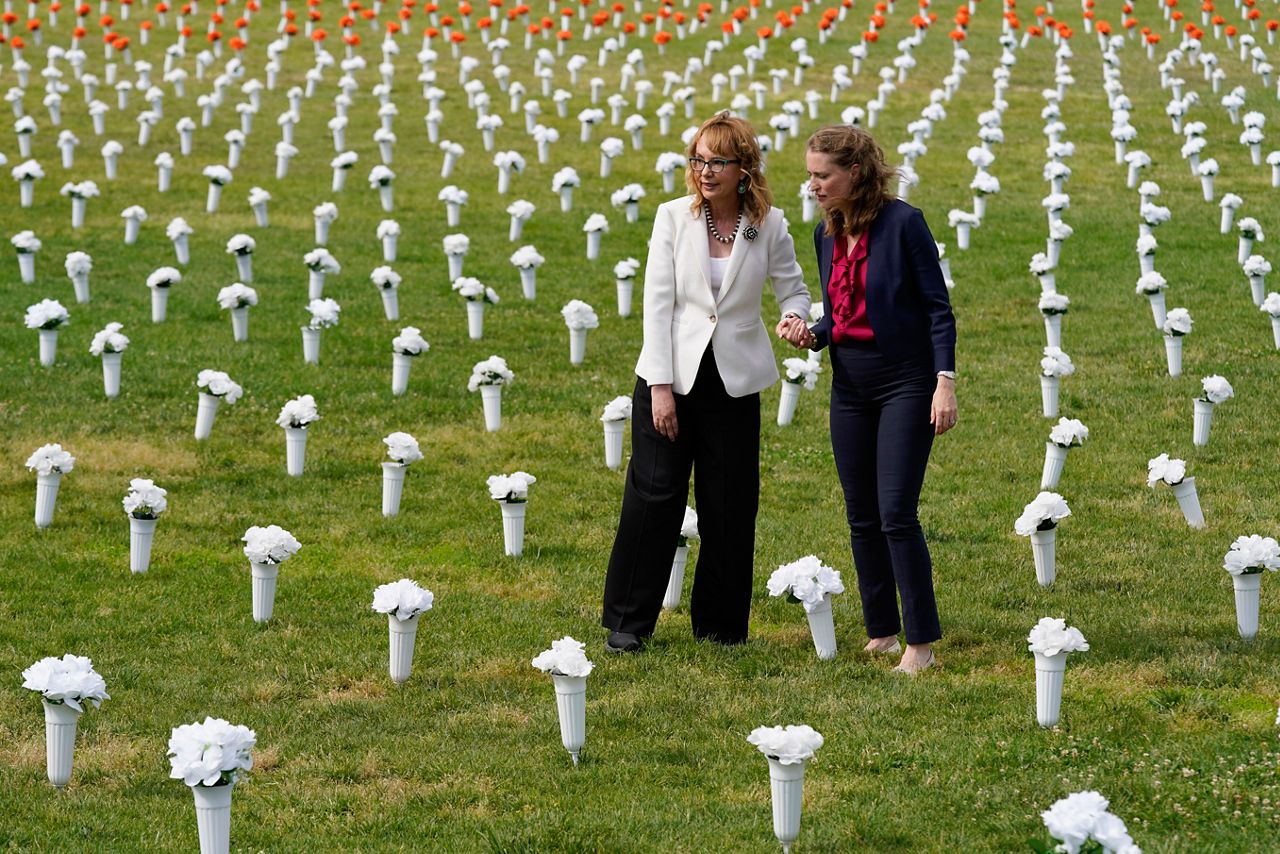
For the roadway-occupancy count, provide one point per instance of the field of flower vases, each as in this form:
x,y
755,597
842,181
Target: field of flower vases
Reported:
x,y
319,300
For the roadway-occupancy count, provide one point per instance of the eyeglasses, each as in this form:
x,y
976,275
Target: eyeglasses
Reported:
x,y
717,164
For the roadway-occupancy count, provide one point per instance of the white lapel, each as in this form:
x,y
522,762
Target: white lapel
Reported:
x,y
741,246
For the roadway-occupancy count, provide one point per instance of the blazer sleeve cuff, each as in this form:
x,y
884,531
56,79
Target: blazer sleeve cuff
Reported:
x,y
944,359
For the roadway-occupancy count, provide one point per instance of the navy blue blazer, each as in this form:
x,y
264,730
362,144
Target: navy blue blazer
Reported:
x,y
907,301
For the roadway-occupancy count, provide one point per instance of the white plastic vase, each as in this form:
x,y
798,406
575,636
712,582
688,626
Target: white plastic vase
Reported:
x,y
1158,313
111,374
513,527
593,245
529,282
48,347
455,266
403,633
1275,331
787,402
675,584
264,577
566,198
80,282
626,288
27,267
159,304
1173,354
1055,458
78,206
1146,264
823,628
962,234
389,248
131,227
786,785
142,533
260,214
1257,289
295,449
392,487
1049,395
577,346
244,266
1053,330
390,303
315,284
475,319
1048,282
515,229
310,345
240,323
164,179
613,443
1189,501
1206,187
206,409
182,249
1248,590
1244,248
46,497
400,364
60,721
1044,551
491,399
1051,671
211,201
385,198
213,818
26,193
1202,422
571,707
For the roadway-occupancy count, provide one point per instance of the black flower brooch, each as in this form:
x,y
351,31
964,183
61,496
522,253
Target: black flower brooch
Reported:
x,y
750,232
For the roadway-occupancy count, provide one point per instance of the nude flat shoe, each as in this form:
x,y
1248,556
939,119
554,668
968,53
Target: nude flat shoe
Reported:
x,y
912,671
890,650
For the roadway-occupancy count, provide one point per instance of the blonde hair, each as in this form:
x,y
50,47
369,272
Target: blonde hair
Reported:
x,y
849,147
733,138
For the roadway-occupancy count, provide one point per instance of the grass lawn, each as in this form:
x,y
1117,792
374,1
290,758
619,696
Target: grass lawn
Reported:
x,y
1170,714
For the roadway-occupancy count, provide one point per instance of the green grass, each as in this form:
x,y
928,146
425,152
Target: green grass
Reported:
x,y
1170,715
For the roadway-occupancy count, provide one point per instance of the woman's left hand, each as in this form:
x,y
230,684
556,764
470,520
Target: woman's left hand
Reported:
x,y
943,413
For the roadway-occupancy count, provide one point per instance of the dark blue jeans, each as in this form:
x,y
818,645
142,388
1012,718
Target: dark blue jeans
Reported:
x,y
881,438
718,441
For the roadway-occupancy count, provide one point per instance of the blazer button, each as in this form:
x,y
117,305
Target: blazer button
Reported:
x,y
713,318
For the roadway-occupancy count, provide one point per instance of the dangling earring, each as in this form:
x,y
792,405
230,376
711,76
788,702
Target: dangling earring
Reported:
x,y
742,186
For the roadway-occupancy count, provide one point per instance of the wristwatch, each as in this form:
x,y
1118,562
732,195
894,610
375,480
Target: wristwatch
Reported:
x,y
951,375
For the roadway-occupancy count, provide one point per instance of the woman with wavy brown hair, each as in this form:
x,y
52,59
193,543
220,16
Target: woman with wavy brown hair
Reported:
x,y
892,336
696,408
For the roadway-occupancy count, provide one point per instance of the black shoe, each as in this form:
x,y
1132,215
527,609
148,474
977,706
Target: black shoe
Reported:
x,y
622,642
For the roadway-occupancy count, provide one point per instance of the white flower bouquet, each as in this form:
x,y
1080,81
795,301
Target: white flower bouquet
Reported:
x,y
270,545
618,409
298,413
219,384
1215,389
324,313
492,371
563,183
520,212
70,681
567,663
788,749
454,198
566,657
49,460
1082,818
811,583
145,500
159,282
402,448
578,317
628,198
1256,268
1246,560
512,488
1039,521
212,753
65,685
1052,636
403,599
1066,434
109,340
595,227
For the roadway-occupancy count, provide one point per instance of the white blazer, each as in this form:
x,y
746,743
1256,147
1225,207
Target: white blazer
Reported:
x,y
681,317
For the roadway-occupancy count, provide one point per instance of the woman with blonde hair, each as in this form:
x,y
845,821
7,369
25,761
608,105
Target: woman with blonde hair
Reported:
x,y
892,335
706,356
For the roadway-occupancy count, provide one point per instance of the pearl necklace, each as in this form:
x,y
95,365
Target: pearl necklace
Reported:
x,y
715,232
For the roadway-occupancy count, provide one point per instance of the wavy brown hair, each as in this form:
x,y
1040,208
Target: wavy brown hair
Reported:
x,y
734,139
850,147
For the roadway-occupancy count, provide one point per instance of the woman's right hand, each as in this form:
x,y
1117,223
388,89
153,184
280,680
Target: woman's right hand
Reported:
x,y
664,410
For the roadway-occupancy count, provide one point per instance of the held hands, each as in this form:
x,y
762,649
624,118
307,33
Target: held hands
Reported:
x,y
943,413
793,330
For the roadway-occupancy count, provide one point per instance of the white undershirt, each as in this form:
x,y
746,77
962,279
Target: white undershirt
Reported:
x,y
718,268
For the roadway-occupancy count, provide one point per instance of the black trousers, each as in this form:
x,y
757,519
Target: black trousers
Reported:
x,y
718,438
881,438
